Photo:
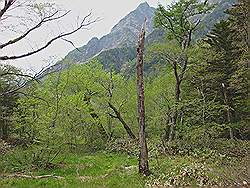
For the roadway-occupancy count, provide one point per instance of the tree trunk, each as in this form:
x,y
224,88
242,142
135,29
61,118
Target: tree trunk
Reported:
x,y
4,127
99,126
229,121
125,125
143,157
227,110
172,127
173,119
177,91
231,133
178,80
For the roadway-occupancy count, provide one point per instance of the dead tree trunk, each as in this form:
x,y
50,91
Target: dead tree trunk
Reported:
x,y
143,157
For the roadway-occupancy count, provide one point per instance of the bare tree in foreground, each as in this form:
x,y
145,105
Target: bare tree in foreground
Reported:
x,y
143,157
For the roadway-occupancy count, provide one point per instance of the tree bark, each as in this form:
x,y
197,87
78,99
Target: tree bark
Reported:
x,y
173,119
178,80
143,157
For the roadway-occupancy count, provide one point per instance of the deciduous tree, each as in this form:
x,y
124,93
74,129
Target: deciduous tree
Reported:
x,y
180,20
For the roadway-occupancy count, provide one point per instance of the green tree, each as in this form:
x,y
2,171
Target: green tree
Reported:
x,y
222,76
180,20
8,97
76,105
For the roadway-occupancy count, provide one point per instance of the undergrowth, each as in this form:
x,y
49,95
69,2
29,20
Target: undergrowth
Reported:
x,y
171,164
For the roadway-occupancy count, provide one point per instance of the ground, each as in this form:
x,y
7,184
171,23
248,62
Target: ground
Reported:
x,y
120,170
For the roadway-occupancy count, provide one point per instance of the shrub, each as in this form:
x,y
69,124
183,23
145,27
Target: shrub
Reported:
x,y
126,146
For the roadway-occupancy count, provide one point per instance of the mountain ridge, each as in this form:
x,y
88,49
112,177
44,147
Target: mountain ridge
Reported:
x,y
123,38
123,35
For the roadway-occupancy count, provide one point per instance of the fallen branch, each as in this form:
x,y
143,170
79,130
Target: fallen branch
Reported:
x,y
31,176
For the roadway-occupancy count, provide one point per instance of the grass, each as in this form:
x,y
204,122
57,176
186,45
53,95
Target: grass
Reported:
x,y
99,170
120,171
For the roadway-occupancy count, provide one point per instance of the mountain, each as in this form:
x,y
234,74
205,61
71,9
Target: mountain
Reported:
x,y
122,38
123,34
217,15
119,46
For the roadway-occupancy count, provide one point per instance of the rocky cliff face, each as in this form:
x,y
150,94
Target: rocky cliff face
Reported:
x,y
134,20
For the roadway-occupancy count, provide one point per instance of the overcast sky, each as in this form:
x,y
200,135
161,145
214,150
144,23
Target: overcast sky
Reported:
x,y
110,12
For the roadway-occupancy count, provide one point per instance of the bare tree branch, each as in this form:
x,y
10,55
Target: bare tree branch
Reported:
x,y
24,84
119,117
66,40
7,5
18,74
44,20
81,26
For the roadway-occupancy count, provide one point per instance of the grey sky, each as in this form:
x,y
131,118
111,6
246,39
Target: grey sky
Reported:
x,y
110,12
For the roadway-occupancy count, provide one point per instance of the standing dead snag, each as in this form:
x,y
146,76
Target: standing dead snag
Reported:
x,y
143,157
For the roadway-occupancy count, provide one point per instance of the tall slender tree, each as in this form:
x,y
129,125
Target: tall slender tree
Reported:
x,y
143,158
